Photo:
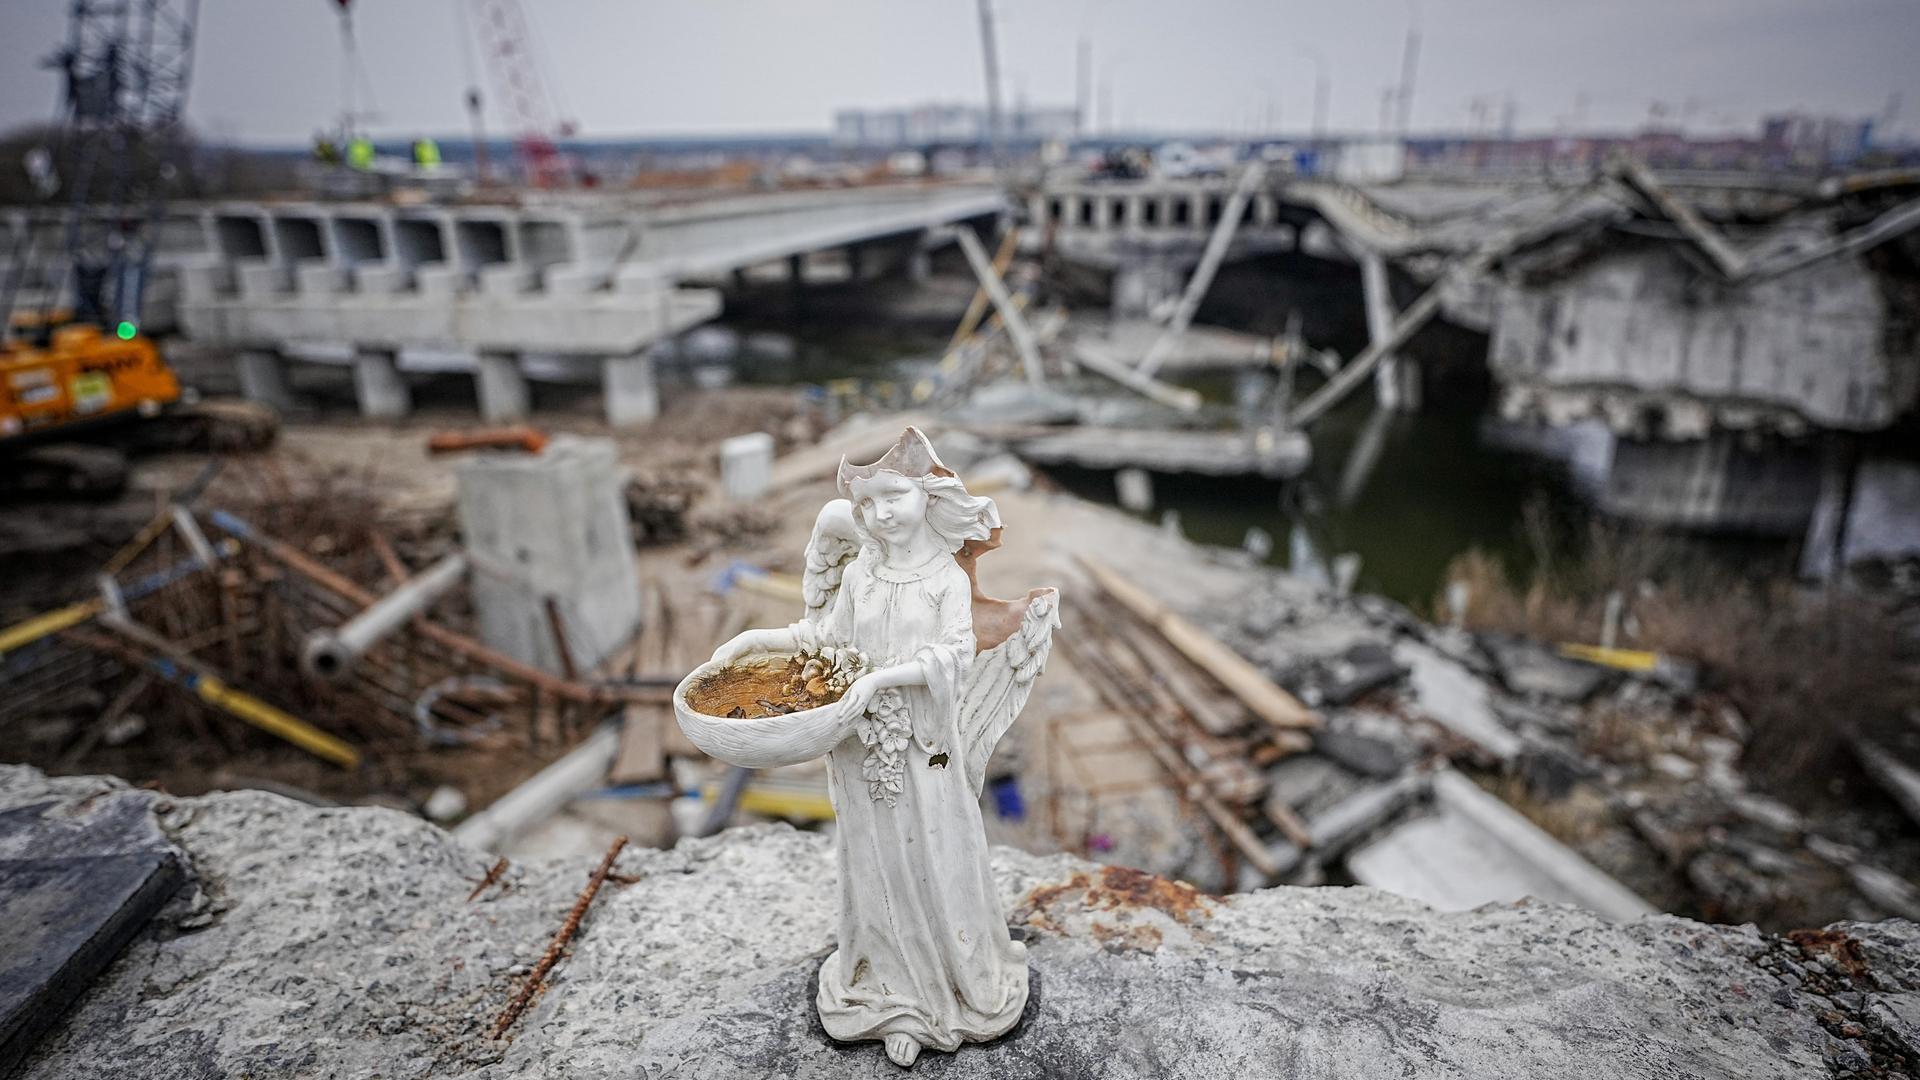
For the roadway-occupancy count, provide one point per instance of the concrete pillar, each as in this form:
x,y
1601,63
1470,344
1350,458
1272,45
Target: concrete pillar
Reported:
x,y
1820,553
1134,487
631,391
379,385
797,278
263,379
1396,382
856,264
919,265
502,386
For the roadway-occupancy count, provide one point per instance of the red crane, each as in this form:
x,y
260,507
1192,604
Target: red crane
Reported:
x,y
506,47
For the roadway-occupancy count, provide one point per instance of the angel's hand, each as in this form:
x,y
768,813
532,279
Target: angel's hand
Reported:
x,y
744,642
858,696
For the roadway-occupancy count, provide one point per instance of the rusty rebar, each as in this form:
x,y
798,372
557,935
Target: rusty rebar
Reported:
x,y
493,875
538,975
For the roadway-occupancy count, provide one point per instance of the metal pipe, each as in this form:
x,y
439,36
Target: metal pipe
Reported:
x,y
331,654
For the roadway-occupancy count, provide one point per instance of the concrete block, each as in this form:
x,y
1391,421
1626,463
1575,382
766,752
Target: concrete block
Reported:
x,y
746,465
382,279
439,281
261,280
550,526
380,387
502,386
630,388
506,279
263,378
320,279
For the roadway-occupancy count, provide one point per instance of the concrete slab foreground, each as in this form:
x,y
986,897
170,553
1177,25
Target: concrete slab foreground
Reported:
x,y
73,897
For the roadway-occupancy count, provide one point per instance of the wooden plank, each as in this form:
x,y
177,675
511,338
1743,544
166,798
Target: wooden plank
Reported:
x,y
1244,681
1215,716
1108,683
642,755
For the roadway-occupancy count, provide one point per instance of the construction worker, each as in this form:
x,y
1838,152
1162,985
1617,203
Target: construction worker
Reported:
x,y
325,150
360,153
426,153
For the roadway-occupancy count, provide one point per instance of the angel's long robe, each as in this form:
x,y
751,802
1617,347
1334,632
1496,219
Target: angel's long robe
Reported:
x,y
923,942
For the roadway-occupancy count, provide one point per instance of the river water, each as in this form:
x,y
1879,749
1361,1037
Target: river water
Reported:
x,y
1444,480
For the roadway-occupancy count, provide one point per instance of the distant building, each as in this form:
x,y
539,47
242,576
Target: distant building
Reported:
x,y
948,125
1815,140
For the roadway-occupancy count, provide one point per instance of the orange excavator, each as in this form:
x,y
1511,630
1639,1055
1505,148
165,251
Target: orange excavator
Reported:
x,y
80,383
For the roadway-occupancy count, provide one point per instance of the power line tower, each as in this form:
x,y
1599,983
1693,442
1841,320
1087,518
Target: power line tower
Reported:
x,y
507,48
125,68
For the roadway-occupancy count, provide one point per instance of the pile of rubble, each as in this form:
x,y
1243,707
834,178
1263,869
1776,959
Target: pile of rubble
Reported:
x,y
1640,772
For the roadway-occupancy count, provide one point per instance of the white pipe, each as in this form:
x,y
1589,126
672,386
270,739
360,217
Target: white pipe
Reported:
x,y
331,654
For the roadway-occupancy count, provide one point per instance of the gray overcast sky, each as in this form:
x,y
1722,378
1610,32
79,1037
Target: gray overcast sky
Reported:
x,y
269,70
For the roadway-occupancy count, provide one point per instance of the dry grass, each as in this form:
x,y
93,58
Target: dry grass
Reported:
x,y
1807,669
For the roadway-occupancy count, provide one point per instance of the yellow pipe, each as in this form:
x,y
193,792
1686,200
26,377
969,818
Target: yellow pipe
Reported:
x,y
45,623
1620,659
274,722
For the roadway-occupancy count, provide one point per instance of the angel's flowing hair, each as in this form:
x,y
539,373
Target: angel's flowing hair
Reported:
x,y
954,515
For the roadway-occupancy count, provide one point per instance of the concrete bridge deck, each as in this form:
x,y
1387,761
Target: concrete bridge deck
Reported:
x,y
584,274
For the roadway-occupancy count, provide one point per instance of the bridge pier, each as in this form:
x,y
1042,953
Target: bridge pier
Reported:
x,y
263,378
630,388
501,386
379,386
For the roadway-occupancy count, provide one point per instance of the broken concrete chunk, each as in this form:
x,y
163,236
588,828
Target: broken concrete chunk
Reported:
x,y
1366,666
1308,783
1452,697
1361,753
1531,670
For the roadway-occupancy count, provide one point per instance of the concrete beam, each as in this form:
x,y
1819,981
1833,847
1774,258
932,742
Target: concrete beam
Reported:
x,y
597,323
1015,322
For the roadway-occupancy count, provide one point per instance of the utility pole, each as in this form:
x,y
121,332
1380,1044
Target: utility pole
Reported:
x,y
1408,61
1083,87
1321,86
990,55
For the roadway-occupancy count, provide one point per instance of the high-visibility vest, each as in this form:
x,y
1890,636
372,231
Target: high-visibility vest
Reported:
x,y
426,153
360,154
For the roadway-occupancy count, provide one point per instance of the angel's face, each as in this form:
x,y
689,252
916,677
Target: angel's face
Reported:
x,y
892,505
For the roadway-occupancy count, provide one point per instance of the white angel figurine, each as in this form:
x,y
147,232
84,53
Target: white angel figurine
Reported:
x,y
924,957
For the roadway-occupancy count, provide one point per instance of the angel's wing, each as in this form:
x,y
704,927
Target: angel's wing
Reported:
x,y
1001,678
834,543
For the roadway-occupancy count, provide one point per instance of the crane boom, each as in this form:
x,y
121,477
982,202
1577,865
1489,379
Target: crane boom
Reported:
x,y
506,46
